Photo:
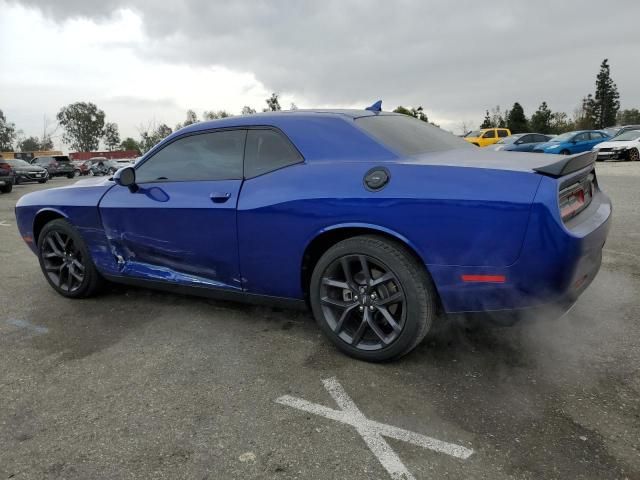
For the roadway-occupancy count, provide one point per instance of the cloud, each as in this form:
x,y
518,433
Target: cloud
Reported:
x,y
454,58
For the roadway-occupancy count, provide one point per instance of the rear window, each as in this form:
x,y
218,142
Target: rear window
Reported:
x,y
409,136
61,158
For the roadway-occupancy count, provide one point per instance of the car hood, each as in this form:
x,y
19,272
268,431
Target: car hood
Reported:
x,y
623,143
484,158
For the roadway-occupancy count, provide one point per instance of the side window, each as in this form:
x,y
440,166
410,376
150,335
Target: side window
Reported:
x,y
596,136
489,134
581,137
542,138
204,156
526,139
268,150
503,133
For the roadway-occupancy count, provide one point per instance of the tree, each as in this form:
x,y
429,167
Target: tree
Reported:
x,y
487,121
497,119
273,104
246,110
46,143
7,133
412,112
212,115
29,144
606,99
151,134
516,119
83,125
585,115
130,144
628,117
111,136
560,123
541,119
293,106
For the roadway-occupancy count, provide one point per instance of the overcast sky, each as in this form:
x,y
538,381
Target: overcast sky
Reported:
x,y
144,60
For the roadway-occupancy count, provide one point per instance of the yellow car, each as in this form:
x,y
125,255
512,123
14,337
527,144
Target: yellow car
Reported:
x,y
486,136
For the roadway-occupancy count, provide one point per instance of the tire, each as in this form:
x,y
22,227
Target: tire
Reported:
x,y
634,156
565,152
6,188
61,250
71,175
476,144
43,181
77,172
355,318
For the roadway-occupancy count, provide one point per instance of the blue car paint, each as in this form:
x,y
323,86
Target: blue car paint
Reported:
x,y
569,145
515,147
463,211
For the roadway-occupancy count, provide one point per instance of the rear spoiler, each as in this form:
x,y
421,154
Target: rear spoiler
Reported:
x,y
569,164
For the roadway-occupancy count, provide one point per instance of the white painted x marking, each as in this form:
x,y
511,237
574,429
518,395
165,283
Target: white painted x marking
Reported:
x,y
372,432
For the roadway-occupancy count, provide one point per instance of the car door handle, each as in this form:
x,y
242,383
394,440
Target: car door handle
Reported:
x,y
220,197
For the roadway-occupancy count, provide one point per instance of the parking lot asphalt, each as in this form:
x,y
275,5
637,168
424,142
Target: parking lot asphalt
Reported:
x,y
142,384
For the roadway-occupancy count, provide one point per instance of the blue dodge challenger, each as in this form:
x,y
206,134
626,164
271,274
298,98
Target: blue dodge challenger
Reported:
x,y
375,220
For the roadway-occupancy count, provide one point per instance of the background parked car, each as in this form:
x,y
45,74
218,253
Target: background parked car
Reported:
x,y
572,142
619,130
56,165
520,142
487,136
624,146
81,167
104,166
6,177
25,172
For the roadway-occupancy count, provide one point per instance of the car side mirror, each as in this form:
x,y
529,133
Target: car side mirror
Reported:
x,y
126,177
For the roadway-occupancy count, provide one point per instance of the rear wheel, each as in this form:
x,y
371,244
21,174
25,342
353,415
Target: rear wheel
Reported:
x,y
633,155
372,298
6,188
66,262
71,175
43,181
565,152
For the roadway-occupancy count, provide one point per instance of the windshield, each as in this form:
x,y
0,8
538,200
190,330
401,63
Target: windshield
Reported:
x,y
475,133
409,136
626,136
563,138
509,140
17,163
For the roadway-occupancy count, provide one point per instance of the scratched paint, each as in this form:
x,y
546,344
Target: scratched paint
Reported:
x,y
372,432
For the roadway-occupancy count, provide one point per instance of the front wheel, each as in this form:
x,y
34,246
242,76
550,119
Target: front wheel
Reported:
x,y
66,262
43,181
372,298
565,152
634,156
6,188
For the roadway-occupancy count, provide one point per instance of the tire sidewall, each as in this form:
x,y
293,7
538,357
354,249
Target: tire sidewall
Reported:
x,y
65,227
417,311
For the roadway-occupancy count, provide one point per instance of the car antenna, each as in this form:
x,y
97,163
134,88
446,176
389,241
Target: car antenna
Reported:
x,y
376,107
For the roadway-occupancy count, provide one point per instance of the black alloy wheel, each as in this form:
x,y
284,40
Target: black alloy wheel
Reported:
x,y
372,298
63,261
363,302
66,262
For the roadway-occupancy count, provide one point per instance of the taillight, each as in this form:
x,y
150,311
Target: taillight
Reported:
x,y
5,166
576,198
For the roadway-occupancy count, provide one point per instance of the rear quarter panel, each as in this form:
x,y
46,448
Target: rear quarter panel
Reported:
x,y
448,215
